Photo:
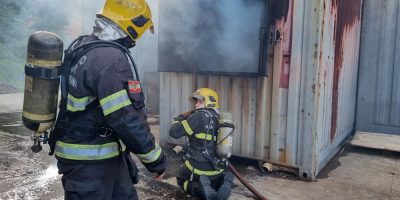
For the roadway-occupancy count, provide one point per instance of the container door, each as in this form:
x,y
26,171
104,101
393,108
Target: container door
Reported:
x,y
378,108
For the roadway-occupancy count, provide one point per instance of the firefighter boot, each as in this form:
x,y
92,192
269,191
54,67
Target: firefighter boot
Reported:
x,y
208,192
225,190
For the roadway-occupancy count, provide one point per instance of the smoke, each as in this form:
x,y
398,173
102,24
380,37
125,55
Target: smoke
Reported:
x,y
68,19
210,35
19,19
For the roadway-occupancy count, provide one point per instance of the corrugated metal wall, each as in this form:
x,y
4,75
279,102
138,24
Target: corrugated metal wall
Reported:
x,y
248,98
379,92
337,73
303,111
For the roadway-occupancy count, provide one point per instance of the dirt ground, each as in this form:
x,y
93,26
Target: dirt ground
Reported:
x,y
352,174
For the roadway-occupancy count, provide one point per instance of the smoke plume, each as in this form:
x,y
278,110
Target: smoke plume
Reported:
x,y
209,35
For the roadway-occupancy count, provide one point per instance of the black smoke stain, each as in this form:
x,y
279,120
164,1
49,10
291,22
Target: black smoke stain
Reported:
x,y
279,9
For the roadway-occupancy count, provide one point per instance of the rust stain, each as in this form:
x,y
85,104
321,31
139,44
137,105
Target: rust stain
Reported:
x,y
313,88
282,155
282,16
348,12
285,67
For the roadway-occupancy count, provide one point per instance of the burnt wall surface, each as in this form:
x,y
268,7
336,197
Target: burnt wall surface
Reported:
x,y
279,9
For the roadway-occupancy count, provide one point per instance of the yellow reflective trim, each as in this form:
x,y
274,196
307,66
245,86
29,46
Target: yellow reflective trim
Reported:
x,y
77,104
86,151
77,100
115,102
73,109
117,107
74,157
151,156
204,136
85,146
113,96
185,185
43,63
38,117
202,172
187,128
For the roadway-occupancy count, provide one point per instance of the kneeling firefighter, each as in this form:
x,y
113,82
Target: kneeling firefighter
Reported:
x,y
208,132
102,118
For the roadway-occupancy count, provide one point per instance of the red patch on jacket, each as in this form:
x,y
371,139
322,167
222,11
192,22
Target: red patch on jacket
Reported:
x,y
134,86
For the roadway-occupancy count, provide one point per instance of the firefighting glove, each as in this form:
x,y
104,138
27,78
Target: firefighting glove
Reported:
x,y
183,116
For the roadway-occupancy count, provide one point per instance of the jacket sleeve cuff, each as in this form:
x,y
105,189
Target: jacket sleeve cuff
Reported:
x,y
158,166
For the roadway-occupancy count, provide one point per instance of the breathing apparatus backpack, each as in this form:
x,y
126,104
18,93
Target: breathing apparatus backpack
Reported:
x,y
44,69
224,138
223,144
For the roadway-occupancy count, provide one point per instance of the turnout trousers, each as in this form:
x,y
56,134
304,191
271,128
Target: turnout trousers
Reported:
x,y
108,180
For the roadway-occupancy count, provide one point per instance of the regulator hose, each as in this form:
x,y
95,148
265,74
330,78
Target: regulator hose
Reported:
x,y
245,183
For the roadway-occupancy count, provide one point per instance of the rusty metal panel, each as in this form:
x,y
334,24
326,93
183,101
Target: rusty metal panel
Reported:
x,y
379,93
321,96
346,17
307,45
263,119
346,40
295,79
281,67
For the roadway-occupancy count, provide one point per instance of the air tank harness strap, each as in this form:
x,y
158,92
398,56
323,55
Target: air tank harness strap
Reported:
x,y
42,72
202,172
84,130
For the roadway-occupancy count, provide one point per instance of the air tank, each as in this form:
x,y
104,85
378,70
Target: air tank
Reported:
x,y
224,138
44,59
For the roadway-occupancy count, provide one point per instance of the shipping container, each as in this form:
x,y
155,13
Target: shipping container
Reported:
x,y
295,103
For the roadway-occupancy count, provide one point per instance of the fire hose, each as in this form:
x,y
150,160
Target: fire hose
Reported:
x,y
245,183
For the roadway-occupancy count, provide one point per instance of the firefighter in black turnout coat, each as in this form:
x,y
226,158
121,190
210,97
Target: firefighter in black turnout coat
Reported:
x,y
102,117
202,174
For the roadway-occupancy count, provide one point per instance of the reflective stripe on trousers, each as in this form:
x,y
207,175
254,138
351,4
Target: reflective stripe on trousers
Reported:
x,y
185,185
86,151
202,172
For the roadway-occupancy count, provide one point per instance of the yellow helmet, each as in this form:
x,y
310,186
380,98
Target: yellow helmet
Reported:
x,y
132,16
209,96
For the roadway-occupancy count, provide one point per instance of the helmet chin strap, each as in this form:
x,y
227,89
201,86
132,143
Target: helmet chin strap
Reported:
x,y
202,106
126,42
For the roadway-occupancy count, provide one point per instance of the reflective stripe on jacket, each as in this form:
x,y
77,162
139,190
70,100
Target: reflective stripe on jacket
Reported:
x,y
87,152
